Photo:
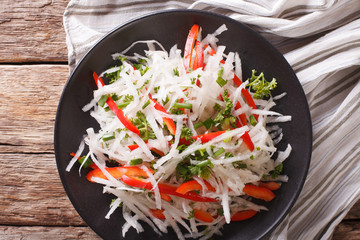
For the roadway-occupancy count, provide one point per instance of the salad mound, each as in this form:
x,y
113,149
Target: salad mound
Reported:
x,y
183,141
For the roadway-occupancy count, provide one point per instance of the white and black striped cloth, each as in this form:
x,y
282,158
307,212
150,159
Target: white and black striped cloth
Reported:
x,y
321,41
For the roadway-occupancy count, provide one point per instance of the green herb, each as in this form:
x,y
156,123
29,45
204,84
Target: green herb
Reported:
x,y
225,112
186,170
164,102
182,105
252,157
229,155
146,104
122,58
277,171
186,133
222,82
199,124
193,80
176,71
113,200
127,100
136,161
191,214
87,162
114,75
115,97
146,132
202,169
103,100
239,164
253,121
219,152
108,137
156,89
209,123
259,84
220,211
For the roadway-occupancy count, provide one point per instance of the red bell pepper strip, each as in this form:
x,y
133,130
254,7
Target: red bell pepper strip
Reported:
x,y
199,56
249,100
164,188
189,45
132,147
204,138
270,185
237,80
117,172
118,112
165,197
243,215
193,185
259,192
207,136
168,121
246,94
242,116
158,213
212,52
247,140
202,215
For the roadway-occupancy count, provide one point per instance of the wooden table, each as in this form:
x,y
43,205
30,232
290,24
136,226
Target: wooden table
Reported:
x,y
33,66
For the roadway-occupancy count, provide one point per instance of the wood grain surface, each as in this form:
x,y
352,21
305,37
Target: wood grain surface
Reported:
x,y
33,65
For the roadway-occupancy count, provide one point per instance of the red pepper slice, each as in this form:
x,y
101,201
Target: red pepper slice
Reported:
x,y
168,121
164,188
247,140
204,138
246,94
199,56
249,100
158,213
212,52
259,192
242,116
203,215
243,215
237,81
118,112
208,136
189,45
165,197
193,185
117,172
270,185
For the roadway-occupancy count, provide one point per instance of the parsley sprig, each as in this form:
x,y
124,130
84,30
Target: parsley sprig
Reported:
x,y
259,84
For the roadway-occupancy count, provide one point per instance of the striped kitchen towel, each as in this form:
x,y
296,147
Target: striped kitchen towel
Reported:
x,y
321,41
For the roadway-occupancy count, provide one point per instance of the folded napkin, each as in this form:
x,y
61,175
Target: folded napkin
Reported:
x,y
321,41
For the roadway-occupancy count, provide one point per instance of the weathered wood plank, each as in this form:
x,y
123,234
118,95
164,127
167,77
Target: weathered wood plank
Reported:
x,y
32,193
45,233
349,230
32,31
28,101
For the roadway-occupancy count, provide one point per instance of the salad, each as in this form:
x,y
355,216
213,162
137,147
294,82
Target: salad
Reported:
x,y
183,141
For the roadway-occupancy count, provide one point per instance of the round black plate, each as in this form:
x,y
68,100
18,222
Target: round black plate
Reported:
x,y
169,28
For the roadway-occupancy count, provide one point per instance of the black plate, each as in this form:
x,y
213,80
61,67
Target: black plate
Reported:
x,y
169,28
